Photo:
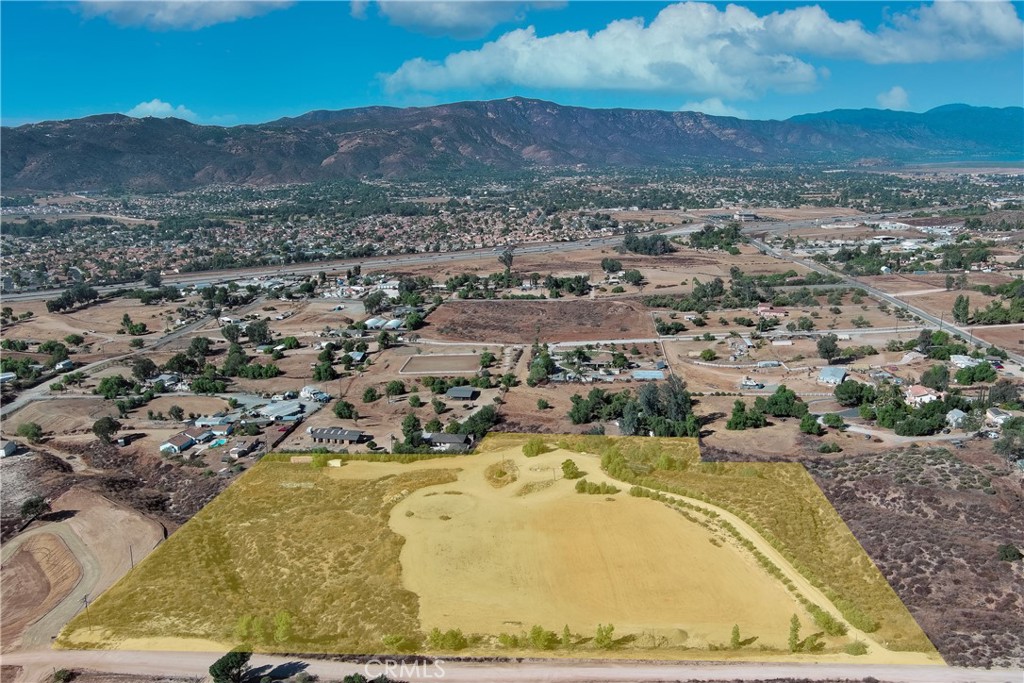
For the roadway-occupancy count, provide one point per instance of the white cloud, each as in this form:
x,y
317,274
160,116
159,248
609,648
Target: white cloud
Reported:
x,y
163,15
464,19
162,110
714,106
893,98
731,53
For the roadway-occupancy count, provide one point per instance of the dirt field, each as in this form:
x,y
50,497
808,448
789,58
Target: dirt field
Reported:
x,y
437,364
64,416
491,561
511,322
41,573
1010,337
896,283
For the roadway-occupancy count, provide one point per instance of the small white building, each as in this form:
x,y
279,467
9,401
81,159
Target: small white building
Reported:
x,y
7,448
997,416
177,444
961,361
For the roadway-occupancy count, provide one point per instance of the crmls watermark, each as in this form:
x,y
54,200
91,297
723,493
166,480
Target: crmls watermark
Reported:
x,y
401,669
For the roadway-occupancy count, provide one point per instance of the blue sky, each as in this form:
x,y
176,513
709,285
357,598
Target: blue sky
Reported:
x,y
233,61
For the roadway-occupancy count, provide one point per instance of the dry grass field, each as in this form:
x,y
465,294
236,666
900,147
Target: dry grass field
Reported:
x,y
516,322
372,556
786,507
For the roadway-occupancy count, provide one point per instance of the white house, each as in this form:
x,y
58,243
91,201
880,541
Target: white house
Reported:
x,y
964,361
918,395
831,375
177,444
997,416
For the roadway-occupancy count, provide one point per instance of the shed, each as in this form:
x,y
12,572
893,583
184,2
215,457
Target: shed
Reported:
x,y
463,393
832,375
392,324
7,448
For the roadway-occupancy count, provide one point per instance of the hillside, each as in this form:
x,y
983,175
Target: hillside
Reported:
x,y
109,151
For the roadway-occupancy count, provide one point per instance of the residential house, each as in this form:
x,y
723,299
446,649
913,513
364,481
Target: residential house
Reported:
x,y
918,395
961,361
832,375
199,434
769,311
177,444
218,420
997,416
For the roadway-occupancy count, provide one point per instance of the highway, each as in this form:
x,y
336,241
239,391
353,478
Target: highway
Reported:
x,y
313,267
938,322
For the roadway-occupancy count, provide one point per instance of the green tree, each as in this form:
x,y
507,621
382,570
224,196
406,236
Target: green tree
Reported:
x,y
734,641
394,388
259,333
542,404
708,355
936,377
438,405
809,425
486,359
828,347
31,431
370,394
962,309
794,634
231,668
143,369
231,332
74,339
738,420
412,430
33,507
106,427
324,372
176,412
199,347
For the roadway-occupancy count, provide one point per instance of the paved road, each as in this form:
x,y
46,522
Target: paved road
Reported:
x,y
41,391
937,322
39,667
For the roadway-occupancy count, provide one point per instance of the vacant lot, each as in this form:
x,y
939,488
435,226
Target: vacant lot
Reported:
x,y
492,560
441,364
255,565
510,322
371,556
933,520
787,508
40,573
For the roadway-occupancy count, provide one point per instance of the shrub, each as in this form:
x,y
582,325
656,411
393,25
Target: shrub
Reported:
x,y
856,648
1009,553
534,446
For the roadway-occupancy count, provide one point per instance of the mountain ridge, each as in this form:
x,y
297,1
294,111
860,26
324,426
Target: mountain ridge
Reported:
x,y
105,151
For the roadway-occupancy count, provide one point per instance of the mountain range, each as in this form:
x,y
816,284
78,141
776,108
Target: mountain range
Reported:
x,y
150,155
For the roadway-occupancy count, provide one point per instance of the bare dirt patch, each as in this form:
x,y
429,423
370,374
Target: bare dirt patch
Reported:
x,y
437,364
39,575
508,322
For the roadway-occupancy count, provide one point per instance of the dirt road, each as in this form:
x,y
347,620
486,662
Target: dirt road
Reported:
x,y
38,666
